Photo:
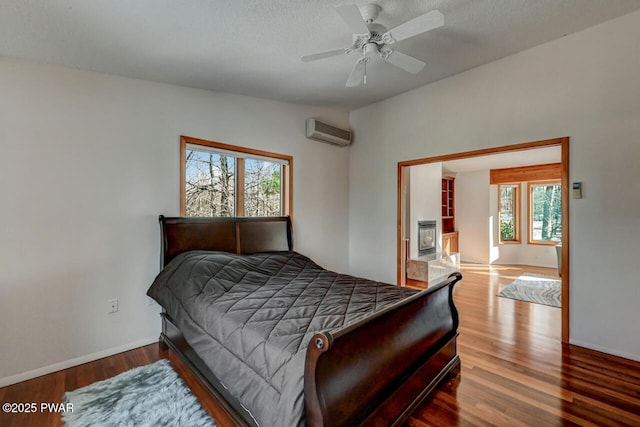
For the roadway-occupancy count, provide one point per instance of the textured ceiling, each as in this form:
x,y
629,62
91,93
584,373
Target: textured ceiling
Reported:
x,y
254,47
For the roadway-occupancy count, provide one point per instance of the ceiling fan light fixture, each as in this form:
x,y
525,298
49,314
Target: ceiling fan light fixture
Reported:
x,y
372,39
370,50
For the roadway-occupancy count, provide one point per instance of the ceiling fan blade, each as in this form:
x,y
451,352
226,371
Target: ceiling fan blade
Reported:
x,y
404,61
322,55
421,24
350,14
357,73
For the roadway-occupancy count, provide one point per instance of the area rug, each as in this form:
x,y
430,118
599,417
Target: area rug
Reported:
x,y
151,395
535,288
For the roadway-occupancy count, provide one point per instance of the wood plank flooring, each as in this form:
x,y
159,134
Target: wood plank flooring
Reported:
x,y
515,371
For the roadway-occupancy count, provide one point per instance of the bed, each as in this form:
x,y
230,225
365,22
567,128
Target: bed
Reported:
x,y
279,340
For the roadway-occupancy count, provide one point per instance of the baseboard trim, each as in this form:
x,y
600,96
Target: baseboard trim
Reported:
x,y
13,379
605,350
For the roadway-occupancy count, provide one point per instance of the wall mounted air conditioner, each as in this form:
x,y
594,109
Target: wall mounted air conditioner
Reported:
x,y
324,132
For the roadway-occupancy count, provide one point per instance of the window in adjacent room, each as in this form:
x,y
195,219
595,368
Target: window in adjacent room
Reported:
x,y
545,213
509,213
224,180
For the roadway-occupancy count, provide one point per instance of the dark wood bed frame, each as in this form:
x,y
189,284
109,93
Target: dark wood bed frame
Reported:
x,y
374,372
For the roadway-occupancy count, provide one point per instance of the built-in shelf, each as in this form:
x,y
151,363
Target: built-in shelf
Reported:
x,y
448,208
449,233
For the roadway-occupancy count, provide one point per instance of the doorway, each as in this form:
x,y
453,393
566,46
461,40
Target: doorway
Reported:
x,y
562,143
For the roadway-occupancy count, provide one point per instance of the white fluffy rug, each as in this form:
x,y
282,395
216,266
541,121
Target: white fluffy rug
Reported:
x,y
534,288
151,395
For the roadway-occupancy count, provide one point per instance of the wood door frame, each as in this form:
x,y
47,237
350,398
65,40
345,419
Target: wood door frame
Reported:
x,y
563,142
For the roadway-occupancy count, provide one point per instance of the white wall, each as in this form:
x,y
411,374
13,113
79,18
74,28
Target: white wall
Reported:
x,y
477,223
88,161
425,195
519,253
585,86
473,216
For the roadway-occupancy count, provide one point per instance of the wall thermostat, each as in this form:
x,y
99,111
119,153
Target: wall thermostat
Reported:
x,y
576,190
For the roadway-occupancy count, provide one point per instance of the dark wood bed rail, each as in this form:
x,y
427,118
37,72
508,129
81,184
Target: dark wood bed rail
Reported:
x,y
406,347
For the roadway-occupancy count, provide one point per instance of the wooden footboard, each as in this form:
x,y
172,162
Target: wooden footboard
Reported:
x,y
375,372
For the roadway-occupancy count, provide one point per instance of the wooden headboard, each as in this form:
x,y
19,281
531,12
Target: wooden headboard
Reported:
x,y
242,235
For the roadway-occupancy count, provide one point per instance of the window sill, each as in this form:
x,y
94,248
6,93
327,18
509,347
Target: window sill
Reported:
x,y
543,243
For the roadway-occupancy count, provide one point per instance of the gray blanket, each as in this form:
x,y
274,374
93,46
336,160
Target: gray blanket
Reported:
x,y
251,317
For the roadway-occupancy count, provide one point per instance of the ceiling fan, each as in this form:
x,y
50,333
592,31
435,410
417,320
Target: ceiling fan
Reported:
x,y
371,39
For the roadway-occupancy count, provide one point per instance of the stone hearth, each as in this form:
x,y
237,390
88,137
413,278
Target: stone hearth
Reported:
x,y
433,268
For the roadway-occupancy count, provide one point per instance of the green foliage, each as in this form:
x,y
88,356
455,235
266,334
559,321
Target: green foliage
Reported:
x,y
270,184
507,231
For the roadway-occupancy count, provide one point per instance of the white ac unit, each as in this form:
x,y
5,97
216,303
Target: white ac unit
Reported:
x,y
324,132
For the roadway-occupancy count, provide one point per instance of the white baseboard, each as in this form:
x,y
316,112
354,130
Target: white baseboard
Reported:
x,y
606,350
13,379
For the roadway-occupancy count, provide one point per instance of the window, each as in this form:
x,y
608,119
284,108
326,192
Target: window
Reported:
x,y
509,212
224,180
545,213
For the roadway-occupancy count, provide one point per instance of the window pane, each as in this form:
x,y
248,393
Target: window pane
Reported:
x,y
210,184
546,212
508,209
262,188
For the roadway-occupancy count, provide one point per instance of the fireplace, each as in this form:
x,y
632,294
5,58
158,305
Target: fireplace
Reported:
x,y
426,237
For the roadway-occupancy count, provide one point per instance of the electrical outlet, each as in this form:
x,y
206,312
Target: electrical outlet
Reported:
x,y
112,305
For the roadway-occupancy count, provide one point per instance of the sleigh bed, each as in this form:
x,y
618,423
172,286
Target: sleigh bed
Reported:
x,y
278,340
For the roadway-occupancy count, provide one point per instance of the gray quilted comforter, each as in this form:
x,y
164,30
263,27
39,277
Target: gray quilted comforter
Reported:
x,y
250,318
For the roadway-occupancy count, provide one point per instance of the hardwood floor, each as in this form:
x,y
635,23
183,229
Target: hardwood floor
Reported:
x,y
50,388
515,371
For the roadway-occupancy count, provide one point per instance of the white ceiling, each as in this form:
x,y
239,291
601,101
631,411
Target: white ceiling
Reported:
x,y
508,159
254,47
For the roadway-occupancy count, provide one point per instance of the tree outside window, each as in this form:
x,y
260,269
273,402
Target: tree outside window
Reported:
x,y
545,213
509,213
209,184
223,180
262,188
